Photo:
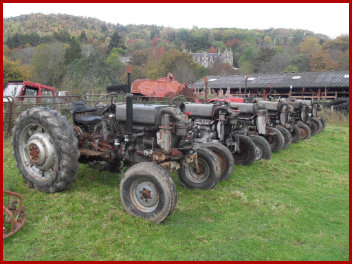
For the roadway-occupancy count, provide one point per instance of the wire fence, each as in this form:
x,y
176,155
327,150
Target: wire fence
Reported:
x,y
13,107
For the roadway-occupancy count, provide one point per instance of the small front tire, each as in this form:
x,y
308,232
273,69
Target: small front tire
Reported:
x,y
305,130
275,139
287,136
246,154
225,158
295,134
263,150
148,191
318,123
209,171
323,122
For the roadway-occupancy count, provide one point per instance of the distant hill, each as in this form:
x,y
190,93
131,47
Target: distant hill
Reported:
x,y
47,24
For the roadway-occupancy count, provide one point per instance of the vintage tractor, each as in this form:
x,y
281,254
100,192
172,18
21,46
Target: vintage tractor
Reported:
x,y
302,115
279,116
216,123
315,120
253,121
150,139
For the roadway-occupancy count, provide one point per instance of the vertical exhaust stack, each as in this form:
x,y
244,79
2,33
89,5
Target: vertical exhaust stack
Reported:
x,y
129,104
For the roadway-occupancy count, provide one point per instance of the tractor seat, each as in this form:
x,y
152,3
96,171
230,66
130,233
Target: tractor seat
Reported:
x,y
80,108
88,120
85,120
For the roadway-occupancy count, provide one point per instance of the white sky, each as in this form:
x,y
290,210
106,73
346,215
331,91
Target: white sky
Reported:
x,y
326,18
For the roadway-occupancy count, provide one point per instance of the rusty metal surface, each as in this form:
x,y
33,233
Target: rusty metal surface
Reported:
x,y
157,88
14,214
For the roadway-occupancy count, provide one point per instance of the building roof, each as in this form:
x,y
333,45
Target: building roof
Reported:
x,y
279,80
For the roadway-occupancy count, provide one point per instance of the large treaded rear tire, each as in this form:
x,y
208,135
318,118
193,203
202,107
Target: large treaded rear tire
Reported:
x,y
148,191
47,124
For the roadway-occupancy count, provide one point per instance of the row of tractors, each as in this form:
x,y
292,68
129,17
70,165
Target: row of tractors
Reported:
x,y
203,142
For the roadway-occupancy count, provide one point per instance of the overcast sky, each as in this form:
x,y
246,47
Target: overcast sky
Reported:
x,y
328,19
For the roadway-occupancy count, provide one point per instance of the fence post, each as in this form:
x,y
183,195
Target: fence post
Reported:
x,y
206,88
9,117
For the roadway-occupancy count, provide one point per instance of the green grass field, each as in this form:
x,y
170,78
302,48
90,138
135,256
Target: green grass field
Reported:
x,y
293,207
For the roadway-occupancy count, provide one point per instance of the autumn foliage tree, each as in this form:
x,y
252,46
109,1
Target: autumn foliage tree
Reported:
x,y
13,70
212,50
49,63
321,61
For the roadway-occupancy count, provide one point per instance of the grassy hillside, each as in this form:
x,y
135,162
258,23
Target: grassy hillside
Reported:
x,y
293,207
47,24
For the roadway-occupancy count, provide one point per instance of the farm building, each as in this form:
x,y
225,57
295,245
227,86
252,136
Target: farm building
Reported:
x,y
328,84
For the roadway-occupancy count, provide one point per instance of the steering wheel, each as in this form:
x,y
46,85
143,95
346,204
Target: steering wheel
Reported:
x,y
99,104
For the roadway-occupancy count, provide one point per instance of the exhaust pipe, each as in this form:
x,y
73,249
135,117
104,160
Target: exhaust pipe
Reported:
x,y
129,113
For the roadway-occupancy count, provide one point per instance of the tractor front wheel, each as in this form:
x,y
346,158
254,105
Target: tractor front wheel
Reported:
x,y
225,158
204,173
148,191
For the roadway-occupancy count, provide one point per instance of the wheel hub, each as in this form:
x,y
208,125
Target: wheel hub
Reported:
x,y
41,152
145,195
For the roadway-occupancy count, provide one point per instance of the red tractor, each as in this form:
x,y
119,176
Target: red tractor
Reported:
x,y
23,90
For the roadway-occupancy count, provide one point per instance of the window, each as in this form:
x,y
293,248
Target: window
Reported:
x,y
29,95
13,90
46,93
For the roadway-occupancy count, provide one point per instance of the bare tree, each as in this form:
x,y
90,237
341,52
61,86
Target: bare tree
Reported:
x,y
183,72
48,63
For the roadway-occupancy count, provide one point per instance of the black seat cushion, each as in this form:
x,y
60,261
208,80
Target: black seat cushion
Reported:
x,y
88,120
80,107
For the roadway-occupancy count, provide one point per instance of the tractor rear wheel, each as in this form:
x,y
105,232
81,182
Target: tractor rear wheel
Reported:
x,y
225,158
45,149
206,176
148,191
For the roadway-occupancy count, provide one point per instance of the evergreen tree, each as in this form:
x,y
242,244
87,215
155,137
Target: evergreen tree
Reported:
x,y
73,51
116,42
83,37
